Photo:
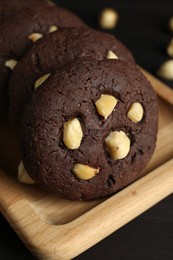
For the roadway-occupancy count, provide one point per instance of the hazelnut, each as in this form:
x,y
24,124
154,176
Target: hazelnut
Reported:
x,y
53,28
11,64
170,48
108,18
105,105
72,134
85,172
23,176
118,144
170,24
35,37
111,56
166,70
41,80
135,112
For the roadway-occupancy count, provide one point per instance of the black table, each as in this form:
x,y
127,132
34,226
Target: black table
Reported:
x,y
143,28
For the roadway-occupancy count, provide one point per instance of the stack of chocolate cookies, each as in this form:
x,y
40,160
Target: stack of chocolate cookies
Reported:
x,y
86,116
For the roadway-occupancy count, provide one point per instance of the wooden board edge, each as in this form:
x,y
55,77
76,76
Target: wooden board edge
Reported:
x,y
66,248
67,241
161,89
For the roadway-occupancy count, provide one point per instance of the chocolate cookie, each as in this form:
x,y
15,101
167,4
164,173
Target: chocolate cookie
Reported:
x,y
19,34
10,8
54,51
90,129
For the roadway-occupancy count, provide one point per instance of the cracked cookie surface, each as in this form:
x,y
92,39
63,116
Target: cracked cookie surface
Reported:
x,y
54,51
16,37
89,170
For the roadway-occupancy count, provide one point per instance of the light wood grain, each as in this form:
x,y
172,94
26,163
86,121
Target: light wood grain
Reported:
x,y
66,241
53,228
164,148
162,89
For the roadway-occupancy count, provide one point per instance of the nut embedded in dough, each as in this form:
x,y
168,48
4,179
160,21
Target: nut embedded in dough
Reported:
x,y
11,64
72,134
53,28
85,172
135,112
118,144
105,105
40,81
111,56
35,37
23,176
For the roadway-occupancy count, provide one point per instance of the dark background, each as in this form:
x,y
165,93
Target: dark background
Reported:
x,y
143,28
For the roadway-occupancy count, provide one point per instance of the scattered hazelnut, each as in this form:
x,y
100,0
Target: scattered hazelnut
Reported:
x,y
118,144
105,105
41,80
23,176
35,37
170,24
85,172
170,48
108,18
53,28
11,64
72,134
166,70
135,112
111,56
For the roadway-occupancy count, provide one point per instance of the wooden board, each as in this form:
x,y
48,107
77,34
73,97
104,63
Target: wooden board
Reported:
x,y
53,228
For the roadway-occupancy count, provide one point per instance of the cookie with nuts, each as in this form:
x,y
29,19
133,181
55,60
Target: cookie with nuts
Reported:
x,y
90,129
20,32
53,52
